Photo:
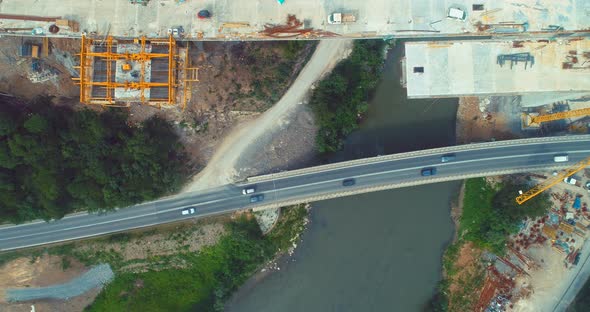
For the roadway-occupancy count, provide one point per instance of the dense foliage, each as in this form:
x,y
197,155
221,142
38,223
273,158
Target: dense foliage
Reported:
x,y
341,98
202,281
54,160
490,213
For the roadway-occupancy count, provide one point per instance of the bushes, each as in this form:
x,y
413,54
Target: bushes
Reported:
x,y
207,278
341,98
490,213
54,160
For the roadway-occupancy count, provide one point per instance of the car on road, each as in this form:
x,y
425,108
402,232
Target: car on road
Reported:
x,y
447,157
188,211
249,190
561,158
348,182
428,172
256,198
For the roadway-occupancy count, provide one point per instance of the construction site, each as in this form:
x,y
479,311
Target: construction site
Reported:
x,y
231,20
118,72
545,250
521,69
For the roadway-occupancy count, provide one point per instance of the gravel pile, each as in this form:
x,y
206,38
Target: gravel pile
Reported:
x,y
96,277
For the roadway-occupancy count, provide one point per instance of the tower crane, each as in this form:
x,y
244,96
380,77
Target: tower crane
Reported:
x,y
535,121
541,187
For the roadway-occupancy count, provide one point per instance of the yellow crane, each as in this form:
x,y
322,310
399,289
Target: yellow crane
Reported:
x,y
541,187
535,121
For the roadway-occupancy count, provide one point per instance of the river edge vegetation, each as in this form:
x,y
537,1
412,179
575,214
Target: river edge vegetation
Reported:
x,y
489,215
203,281
55,160
181,280
341,99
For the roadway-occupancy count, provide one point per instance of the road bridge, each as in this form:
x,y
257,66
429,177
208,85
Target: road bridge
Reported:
x,y
312,184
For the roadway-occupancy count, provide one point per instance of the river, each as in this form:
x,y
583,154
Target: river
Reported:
x,y
378,251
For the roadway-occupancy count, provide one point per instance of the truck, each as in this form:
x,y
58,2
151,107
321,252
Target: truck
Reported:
x,y
341,18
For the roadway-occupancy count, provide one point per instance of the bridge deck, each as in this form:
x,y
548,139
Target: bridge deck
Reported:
x,y
374,18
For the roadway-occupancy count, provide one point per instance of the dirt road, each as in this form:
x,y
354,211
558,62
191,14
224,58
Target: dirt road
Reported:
x,y
224,165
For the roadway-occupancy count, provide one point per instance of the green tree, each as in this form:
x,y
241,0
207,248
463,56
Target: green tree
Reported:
x,y
54,160
36,124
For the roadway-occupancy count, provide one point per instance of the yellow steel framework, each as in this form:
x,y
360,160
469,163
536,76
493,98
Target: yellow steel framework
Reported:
x,y
191,75
541,187
529,120
88,56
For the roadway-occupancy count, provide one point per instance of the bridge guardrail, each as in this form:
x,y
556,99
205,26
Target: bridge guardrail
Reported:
x,y
390,186
428,152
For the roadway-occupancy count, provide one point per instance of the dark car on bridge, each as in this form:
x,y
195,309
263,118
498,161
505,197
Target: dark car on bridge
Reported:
x,y
256,198
428,172
348,182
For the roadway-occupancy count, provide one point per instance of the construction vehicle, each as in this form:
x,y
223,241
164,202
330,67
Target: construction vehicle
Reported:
x,y
529,120
341,18
560,176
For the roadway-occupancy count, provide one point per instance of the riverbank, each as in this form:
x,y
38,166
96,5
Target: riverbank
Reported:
x,y
517,257
179,267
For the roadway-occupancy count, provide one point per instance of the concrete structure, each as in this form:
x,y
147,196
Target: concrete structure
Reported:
x,y
114,72
446,69
246,19
312,184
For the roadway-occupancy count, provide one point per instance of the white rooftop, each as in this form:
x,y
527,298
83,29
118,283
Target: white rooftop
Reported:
x,y
472,68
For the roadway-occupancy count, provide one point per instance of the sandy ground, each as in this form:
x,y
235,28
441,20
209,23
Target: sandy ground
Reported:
x,y
551,280
224,167
47,269
481,119
43,271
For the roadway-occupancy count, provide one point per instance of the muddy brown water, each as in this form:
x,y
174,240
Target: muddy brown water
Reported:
x,y
377,251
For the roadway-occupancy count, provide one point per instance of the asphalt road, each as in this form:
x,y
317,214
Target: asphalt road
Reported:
x,y
471,160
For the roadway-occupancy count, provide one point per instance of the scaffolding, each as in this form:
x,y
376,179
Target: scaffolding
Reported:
x,y
102,83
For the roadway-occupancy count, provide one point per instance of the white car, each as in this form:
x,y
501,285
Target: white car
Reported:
x,y
570,180
188,211
249,190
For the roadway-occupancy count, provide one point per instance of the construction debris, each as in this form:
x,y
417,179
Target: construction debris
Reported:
x,y
293,28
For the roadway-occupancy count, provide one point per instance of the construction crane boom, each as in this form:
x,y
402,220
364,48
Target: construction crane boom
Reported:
x,y
541,187
537,120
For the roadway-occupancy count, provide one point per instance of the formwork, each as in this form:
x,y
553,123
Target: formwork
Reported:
x,y
118,73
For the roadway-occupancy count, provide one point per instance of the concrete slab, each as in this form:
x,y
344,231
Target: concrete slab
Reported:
x,y
402,18
540,99
471,68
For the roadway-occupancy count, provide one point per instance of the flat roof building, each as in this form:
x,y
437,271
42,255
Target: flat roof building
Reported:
x,y
450,69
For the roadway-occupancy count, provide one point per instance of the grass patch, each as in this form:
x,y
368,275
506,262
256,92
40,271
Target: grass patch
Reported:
x,y
201,281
